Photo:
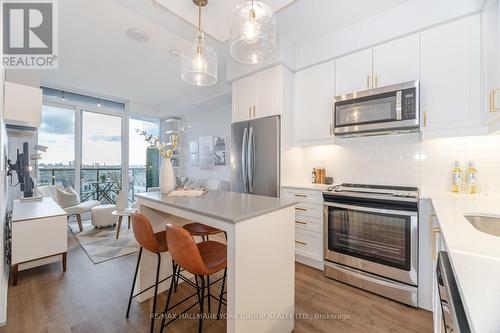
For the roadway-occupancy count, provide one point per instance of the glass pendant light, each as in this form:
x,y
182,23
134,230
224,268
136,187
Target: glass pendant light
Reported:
x,y
199,64
253,33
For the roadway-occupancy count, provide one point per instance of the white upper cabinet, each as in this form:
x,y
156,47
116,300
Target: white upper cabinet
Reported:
x,y
313,102
397,61
259,95
244,92
491,38
451,75
23,105
269,92
353,73
390,63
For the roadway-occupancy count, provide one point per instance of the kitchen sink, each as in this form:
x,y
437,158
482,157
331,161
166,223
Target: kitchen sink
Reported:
x,y
487,224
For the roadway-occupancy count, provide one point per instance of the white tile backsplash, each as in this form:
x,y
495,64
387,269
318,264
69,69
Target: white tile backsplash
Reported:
x,y
402,160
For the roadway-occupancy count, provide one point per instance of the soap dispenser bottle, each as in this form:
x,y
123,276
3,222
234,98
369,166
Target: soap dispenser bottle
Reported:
x,y
456,180
471,178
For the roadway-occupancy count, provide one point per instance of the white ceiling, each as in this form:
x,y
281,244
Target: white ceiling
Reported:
x,y
306,20
216,16
96,57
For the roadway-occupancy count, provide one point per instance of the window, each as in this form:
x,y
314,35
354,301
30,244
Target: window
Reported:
x,y
143,160
101,157
57,132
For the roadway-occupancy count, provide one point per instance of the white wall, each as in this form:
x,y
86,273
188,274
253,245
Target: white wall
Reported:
x,y
207,122
4,270
403,160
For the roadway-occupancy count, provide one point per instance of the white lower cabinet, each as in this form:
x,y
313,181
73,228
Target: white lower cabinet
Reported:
x,y
308,225
430,243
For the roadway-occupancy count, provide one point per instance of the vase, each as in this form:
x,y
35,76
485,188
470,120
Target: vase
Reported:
x,y
121,201
167,176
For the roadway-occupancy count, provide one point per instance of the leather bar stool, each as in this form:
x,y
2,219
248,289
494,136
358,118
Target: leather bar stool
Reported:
x,y
203,231
200,259
152,242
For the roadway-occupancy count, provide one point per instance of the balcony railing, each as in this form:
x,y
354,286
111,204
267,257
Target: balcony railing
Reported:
x,y
96,183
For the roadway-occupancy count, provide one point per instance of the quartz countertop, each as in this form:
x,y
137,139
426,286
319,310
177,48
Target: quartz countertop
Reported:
x,y
230,207
474,255
313,187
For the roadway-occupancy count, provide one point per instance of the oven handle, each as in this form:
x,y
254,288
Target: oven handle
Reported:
x,y
373,210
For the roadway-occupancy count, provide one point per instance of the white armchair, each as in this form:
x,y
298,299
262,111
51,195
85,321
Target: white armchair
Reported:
x,y
69,201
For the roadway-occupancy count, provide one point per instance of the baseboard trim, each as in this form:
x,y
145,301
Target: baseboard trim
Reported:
x,y
309,262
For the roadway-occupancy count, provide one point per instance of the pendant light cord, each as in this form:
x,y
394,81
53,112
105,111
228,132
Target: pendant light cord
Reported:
x,y
199,17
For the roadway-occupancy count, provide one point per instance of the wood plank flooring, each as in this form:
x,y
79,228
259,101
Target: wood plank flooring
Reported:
x,y
93,298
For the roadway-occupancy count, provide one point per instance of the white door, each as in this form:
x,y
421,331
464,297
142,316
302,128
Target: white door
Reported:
x,y
353,73
397,61
269,92
451,74
313,102
243,98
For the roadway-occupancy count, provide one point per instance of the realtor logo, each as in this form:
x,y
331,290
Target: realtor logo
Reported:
x,y
29,34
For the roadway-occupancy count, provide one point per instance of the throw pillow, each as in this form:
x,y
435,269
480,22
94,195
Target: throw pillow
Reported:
x,y
67,198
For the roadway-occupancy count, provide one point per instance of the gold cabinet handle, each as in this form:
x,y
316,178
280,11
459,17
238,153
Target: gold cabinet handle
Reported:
x,y
301,195
493,98
249,112
425,119
368,82
254,111
301,243
300,222
435,231
301,209
331,129
375,81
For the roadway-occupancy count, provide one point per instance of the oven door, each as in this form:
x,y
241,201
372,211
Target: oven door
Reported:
x,y
375,240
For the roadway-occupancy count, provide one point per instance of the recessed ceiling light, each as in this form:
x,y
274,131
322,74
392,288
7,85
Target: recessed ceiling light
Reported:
x,y
137,35
175,53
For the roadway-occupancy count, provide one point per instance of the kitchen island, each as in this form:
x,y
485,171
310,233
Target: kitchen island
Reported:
x,y
260,253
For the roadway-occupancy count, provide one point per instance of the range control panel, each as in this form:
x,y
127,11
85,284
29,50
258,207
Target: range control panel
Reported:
x,y
409,107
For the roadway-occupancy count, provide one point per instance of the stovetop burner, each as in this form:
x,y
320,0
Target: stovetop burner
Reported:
x,y
366,190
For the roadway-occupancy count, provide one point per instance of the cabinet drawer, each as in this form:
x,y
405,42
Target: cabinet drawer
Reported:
x,y
305,196
309,244
305,210
309,224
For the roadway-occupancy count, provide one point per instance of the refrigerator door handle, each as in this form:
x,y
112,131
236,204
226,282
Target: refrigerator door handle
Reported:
x,y
244,149
251,159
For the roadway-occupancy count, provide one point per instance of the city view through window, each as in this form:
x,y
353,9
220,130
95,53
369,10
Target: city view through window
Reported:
x,y
100,146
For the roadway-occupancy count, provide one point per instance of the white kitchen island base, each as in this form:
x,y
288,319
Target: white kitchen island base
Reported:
x,y
261,253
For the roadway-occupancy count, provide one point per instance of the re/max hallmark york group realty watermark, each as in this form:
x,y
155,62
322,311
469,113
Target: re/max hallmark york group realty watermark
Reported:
x,y
30,34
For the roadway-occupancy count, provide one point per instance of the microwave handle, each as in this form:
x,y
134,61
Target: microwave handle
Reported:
x,y
399,105
372,210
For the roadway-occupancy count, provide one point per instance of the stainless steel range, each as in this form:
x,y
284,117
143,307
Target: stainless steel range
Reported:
x,y
371,238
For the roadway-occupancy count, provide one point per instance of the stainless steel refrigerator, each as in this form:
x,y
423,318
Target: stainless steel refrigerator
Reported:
x,y
255,156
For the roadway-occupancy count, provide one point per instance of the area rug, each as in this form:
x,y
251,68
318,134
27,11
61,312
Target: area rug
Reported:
x,y
101,244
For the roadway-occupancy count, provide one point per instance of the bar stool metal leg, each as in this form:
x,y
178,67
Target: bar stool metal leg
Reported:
x,y
172,282
202,292
153,314
133,283
208,292
221,293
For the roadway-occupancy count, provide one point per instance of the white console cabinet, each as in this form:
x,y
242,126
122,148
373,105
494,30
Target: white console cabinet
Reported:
x,y
38,235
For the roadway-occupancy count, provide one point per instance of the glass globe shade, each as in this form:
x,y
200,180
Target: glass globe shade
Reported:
x,y
253,33
199,64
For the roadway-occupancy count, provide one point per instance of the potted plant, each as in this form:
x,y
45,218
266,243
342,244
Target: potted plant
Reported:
x,y
167,175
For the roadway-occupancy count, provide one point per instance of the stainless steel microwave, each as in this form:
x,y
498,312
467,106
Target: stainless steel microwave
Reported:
x,y
385,110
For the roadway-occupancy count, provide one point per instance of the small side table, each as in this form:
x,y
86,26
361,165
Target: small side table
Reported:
x,y
127,212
